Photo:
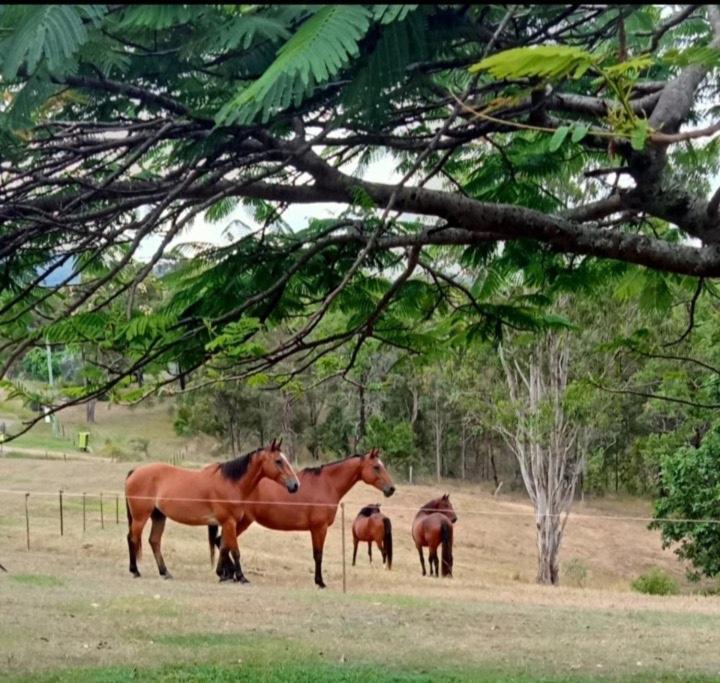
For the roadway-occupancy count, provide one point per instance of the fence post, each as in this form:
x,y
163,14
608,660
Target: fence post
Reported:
x,y
410,481
62,528
117,509
342,522
102,516
27,522
84,522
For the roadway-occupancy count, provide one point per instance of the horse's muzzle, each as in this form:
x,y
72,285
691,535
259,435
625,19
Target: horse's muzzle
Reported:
x,y
388,491
293,486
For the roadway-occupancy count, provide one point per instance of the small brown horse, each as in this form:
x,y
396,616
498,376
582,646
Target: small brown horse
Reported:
x,y
372,525
315,506
433,526
212,495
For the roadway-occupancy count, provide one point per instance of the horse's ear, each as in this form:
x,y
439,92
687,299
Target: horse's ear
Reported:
x,y
279,443
446,496
274,446
374,453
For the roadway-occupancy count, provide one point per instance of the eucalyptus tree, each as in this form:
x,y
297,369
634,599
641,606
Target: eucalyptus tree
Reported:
x,y
540,140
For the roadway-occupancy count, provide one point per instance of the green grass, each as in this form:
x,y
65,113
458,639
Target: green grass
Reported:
x,y
40,580
306,672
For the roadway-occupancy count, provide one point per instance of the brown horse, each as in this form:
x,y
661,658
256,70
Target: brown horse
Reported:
x,y
315,506
433,526
372,525
212,495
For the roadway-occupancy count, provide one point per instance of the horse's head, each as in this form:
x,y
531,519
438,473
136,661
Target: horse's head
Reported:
x,y
443,506
275,466
374,473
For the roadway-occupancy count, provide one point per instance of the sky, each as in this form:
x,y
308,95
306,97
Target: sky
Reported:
x,y
296,216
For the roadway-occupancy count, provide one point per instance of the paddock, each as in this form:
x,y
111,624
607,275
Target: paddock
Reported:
x,y
69,602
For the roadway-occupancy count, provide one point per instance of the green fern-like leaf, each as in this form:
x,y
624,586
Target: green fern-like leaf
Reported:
x,y
544,61
316,52
45,32
401,42
156,16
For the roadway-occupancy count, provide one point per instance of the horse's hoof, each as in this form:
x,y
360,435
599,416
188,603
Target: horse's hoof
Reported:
x,y
225,578
136,575
321,585
167,575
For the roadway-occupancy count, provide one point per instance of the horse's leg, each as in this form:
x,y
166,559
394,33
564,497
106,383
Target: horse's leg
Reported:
x,y
226,568
234,549
355,547
433,558
318,543
241,525
370,551
156,532
422,559
134,538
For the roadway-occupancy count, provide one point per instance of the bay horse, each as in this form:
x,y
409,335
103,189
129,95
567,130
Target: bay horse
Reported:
x,y
433,527
372,525
313,509
211,495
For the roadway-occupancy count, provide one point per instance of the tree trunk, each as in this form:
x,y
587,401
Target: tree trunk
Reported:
x,y
231,427
362,417
493,467
287,427
545,443
90,411
549,536
415,407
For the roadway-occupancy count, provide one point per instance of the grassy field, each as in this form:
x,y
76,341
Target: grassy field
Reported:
x,y
71,611
118,431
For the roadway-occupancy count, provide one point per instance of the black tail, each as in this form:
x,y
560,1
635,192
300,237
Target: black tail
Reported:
x,y
127,505
387,542
446,539
214,540
135,552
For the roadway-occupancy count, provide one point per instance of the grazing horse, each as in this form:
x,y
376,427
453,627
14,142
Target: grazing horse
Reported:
x,y
372,525
211,495
433,526
315,506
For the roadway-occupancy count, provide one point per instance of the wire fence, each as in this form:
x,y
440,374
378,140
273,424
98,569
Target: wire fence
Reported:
x,y
105,507
116,495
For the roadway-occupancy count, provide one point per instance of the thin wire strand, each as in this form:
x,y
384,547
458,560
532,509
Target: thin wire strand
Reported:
x,y
488,513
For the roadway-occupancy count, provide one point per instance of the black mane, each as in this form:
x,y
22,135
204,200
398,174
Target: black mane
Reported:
x,y
237,468
319,468
369,510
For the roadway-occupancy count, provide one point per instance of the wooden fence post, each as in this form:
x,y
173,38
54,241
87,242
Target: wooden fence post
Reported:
x,y
27,522
62,526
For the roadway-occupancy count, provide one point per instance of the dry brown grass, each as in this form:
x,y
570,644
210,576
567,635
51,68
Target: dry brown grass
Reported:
x,y
491,614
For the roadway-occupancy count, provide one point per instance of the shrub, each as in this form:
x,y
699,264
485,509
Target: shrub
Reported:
x,y
115,453
140,445
575,572
656,582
